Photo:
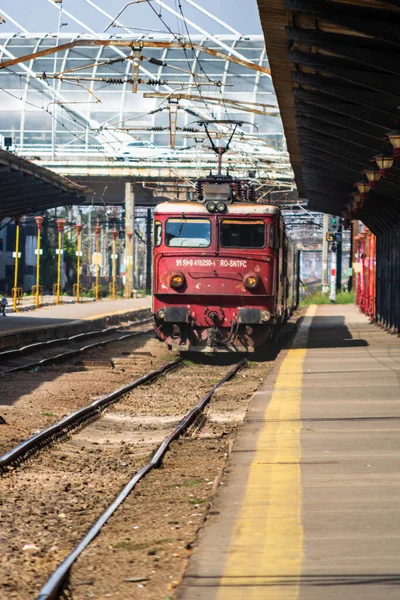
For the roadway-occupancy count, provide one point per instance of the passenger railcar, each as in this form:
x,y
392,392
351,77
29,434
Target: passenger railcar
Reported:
x,y
224,272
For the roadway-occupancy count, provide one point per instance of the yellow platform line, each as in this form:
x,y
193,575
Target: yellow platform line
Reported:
x,y
266,550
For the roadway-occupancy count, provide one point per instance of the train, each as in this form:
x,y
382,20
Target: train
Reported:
x,y
225,272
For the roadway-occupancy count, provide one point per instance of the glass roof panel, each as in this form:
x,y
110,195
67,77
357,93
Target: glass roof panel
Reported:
x,y
63,109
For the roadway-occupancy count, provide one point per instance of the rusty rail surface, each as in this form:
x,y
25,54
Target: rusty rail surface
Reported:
x,y
53,587
8,354
87,413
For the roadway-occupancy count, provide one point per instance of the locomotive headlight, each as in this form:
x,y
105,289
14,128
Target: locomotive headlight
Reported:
x,y
251,281
177,280
211,206
265,316
221,207
161,313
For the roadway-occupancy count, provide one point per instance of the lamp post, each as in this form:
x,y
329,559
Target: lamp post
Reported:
x,y
363,188
17,255
39,220
384,162
129,262
78,266
394,139
97,261
373,176
60,227
114,234
357,202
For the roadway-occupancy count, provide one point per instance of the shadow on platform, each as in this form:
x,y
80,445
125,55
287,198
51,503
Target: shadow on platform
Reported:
x,y
331,332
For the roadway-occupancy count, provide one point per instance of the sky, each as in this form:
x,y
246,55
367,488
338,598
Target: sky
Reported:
x,y
40,16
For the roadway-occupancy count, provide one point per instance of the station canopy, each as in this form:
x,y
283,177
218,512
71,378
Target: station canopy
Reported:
x,y
92,97
26,188
335,67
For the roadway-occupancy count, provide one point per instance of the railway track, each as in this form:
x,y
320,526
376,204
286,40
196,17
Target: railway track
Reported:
x,y
53,586
77,419
82,474
12,361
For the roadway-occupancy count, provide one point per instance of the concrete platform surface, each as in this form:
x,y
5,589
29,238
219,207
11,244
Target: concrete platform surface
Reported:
x,y
310,506
67,313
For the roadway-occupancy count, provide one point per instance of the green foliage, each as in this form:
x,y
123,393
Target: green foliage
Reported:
x,y
70,260
48,262
345,298
315,298
320,298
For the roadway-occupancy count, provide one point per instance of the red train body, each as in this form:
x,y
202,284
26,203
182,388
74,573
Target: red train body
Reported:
x,y
222,281
366,275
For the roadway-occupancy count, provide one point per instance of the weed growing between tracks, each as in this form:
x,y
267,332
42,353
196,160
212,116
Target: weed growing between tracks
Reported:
x,y
52,501
143,550
33,400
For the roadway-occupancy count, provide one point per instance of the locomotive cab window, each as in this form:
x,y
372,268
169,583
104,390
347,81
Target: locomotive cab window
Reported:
x,y
157,233
188,233
273,236
242,234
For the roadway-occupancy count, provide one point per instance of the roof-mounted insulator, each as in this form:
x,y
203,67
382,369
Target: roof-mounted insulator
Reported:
x,y
152,81
113,61
115,80
157,61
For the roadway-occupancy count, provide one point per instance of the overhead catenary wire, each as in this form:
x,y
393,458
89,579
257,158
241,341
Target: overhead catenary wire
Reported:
x,y
49,113
185,52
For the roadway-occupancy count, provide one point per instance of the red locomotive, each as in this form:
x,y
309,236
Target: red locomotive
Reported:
x,y
224,271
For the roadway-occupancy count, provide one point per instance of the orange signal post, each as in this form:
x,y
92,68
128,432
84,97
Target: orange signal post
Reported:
x,y
60,227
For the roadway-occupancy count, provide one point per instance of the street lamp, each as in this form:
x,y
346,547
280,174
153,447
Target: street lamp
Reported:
x,y
373,176
114,234
357,202
60,227
394,139
129,262
97,230
39,220
78,266
17,256
384,162
363,188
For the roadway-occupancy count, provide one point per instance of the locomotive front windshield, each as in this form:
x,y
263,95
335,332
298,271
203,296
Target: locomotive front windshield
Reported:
x,y
188,233
242,234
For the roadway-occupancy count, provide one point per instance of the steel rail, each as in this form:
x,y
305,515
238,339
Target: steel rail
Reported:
x,y
77,418
62,356
6,354
53,587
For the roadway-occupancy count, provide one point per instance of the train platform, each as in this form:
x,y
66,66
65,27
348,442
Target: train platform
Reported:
x,y
309,507
49,322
